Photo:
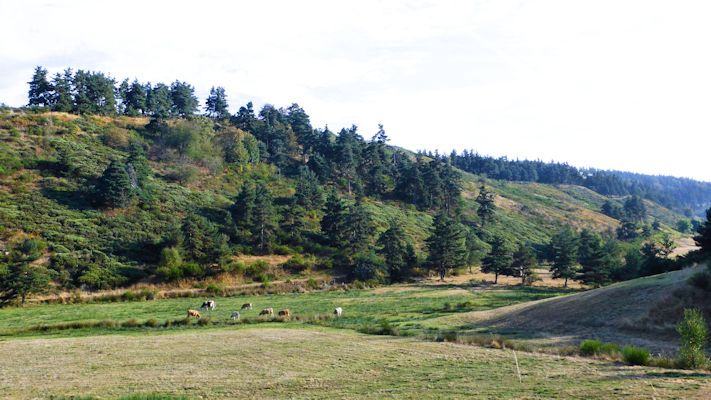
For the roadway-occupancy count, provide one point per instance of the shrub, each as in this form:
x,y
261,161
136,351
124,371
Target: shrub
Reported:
x,y
701,280
590,347
312,284
694,333
297,264
116,137
203,321
367,267
214,288
635,355
151,323
131,323
257,268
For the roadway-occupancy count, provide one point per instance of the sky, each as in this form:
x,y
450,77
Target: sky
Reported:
x,y
617,84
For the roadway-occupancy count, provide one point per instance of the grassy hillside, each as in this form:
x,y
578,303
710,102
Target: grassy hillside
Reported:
x,y
50,164
641,311
263,363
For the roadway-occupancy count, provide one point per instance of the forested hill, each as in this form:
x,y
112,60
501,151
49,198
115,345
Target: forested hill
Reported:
x,y
105,184
681,194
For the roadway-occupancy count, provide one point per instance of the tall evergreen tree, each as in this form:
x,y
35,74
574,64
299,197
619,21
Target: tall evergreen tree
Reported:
x,y
185,103
563,251
499,259
242,212
486,209
159,101
635,210
62,98
137,99
309,194
264,219
476,249
446,245
359,228
333,223
113,188
393,248
216,103
40,93
594,266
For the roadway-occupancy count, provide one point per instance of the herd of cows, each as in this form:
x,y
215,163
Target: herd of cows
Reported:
x,y
211,305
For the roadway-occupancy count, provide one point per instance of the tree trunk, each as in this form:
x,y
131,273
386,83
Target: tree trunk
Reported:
x,y
442,272
496,278
565,285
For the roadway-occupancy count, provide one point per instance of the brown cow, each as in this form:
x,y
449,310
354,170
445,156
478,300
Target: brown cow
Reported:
x,y
194,313
267,311
285,313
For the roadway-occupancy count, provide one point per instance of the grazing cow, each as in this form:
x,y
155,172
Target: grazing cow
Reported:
x,y
209,305
285,313
338,311
194,313
267,311
235,315
247,306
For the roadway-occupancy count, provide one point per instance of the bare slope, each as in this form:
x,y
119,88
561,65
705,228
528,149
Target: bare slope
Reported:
x,y
641,311
315,363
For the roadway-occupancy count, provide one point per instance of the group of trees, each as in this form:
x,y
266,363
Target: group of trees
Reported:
x,y
678,193
88,92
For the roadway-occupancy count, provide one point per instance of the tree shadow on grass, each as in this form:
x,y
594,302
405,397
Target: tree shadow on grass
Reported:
x,y
73,199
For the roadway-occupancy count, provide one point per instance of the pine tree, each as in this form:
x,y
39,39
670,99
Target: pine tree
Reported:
x,y
216,103
476,249
594,269
136,99
446,245
113,188
185,103
635,210
499,259
524,261
359,228
486,209
21,280
393,248
62,98
563,251
40,93
334,221
309,194
264,219
242,212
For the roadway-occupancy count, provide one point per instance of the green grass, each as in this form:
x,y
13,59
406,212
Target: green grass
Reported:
x,y
405,306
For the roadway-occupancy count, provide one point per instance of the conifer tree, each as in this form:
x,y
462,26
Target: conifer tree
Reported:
x,y
264,219
185,103
393,248
563,251
113,189
485,212
359,228
446,245
334,220
40,93
703,238
62,97
216,103
499,259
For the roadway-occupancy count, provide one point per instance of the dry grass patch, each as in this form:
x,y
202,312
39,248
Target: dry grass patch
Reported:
x,y
314,363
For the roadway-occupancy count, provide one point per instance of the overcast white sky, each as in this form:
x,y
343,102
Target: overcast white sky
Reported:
x,y
607,84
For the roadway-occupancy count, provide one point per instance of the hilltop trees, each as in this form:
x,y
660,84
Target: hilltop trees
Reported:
x,y
446,245
394,249
216,104
40,93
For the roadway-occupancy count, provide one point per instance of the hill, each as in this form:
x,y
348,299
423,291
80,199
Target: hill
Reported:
x,y
641,311
185,175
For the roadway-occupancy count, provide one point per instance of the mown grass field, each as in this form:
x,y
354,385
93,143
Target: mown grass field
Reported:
x,y
314,363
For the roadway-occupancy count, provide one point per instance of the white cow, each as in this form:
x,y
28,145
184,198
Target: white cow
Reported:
x,y
338,311
209,305
235,315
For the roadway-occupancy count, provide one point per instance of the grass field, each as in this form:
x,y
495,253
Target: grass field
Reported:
x,y
315,363
405,306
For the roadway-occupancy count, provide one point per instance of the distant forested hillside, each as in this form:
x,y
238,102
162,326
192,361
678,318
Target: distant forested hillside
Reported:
x,y
682,194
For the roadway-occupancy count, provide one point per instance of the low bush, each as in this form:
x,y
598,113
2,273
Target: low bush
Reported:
x,y
590,347
635,355
151,323
131,323
312,284
701,280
